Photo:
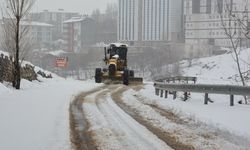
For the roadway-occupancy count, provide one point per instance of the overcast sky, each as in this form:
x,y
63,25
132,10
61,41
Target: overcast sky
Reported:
x,y
81,6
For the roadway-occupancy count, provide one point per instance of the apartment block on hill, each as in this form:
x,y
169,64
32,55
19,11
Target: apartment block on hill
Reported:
x,y
203,25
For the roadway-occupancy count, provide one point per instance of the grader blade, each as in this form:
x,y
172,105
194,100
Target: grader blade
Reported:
x,y
135,80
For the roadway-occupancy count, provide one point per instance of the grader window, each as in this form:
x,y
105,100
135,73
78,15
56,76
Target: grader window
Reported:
x,y
121,51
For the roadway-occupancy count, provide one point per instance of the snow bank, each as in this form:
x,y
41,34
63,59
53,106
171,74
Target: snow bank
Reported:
x,y
36,117
36,69
4,53
3,89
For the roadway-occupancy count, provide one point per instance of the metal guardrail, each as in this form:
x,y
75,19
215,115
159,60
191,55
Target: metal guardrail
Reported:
x,y
176,78
205,88
231,90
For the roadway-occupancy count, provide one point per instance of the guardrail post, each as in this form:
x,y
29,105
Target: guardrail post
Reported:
x,y
206,99
231,100
174,94
161,93
194,79
185,96
166,94
157,91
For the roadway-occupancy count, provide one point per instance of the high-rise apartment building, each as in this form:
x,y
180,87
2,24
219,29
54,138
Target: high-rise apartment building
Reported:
x,y
150,20
203,21
128,20
154,20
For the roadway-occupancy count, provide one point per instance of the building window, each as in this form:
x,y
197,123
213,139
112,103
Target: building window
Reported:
x,y
196,6
220,6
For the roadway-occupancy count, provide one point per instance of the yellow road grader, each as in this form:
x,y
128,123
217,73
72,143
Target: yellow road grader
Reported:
x,y
115,58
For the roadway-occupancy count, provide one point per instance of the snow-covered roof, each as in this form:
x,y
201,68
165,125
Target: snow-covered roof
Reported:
x,y
75,19
57,53
57,11
33,23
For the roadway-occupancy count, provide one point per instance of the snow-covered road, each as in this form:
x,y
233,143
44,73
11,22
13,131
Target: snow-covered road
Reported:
x,y
101,117
111,128
115,117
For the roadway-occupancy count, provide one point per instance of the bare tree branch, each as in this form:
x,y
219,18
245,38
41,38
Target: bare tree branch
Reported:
x,y
16,35
233,30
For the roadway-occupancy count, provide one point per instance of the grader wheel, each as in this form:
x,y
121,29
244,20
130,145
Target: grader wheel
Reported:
x,y
131,73
98,75
126,77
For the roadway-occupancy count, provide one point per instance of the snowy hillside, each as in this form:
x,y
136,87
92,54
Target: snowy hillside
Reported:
x,y
219,69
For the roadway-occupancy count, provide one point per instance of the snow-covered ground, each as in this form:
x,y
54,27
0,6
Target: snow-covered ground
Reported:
x,y
218,114
3,89
212,70
36,117
189,131
221,69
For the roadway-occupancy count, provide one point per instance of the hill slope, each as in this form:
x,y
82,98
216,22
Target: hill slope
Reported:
x,y
217,69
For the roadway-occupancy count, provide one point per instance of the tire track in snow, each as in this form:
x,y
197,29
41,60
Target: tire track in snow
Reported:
x,y
167,127
200,128
163,135
112,128
79,135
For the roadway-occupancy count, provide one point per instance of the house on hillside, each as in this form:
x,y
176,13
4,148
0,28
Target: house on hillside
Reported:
x,y
78,33
56,18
